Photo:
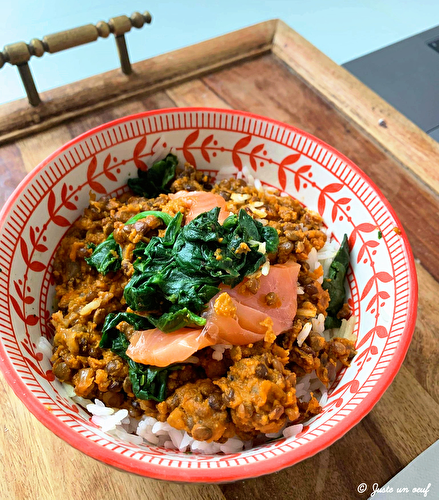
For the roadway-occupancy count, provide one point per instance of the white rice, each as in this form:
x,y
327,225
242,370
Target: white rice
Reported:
x,y
99,409
218,351
122,434
225,173
347,329
106,418
314,263
149,431
162,434
276,435
247,176
159,152
303,334
318,324
265,269
326,255
292,430
44,347
311,383
70,391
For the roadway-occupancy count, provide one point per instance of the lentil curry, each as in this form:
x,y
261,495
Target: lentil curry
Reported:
x,y
251,389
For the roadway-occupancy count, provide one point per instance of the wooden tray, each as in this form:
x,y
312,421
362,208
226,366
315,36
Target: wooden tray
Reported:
x,y
271,70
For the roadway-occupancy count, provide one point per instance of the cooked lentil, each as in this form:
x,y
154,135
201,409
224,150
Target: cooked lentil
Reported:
x,y
252,389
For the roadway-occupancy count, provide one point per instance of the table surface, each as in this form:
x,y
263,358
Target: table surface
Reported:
x,y
313,94
340,31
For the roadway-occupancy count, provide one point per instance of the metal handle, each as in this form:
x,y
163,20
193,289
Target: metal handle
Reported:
x,y
18,54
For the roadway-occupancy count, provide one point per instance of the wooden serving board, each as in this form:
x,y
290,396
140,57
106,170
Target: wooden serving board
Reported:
x,y
270,70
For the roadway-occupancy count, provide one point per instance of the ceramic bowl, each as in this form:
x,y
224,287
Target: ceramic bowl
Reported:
x,y
381,279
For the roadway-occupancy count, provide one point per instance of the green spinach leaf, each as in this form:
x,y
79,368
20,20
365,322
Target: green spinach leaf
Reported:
x,y
171,321
166,218
148,382
175,276
106,257
271,238
172,230
154,181
334,283
110,332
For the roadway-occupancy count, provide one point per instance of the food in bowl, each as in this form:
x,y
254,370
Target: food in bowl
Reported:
x,y
381,277
198,315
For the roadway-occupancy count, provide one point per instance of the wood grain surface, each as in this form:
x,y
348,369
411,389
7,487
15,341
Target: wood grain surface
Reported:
x,y
360,105
35,464
18,119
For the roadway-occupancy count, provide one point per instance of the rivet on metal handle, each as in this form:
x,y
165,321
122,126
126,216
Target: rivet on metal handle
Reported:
x,y
18,54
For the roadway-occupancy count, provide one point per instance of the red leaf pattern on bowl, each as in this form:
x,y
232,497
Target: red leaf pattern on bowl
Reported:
x,y
352,385
204,145
31,319
190,139
384,277
59,220
383,295
298,173
290,160
381,276
96,186
254,152
108,174
282,176
17,308
241,144
138,150
341,201
365,227
370,244
34,265
381,331
68,204
39,247
331,188
48,375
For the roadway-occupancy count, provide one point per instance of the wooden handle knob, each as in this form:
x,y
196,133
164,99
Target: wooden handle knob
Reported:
x,y
120,25
16,53
20,52
70,38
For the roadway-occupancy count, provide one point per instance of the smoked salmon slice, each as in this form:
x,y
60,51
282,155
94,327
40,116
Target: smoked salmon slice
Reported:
x,y
234,316
199,202
153,347
282,280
